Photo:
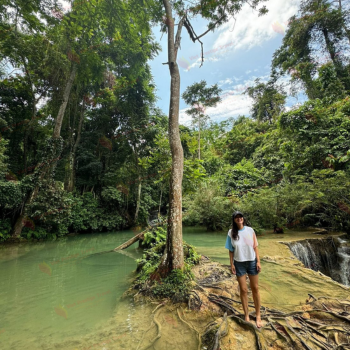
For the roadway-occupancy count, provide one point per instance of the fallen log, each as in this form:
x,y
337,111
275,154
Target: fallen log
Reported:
x,y
130,241
136,238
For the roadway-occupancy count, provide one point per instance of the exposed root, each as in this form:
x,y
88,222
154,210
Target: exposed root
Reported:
x,y
325,325
322,323
159,328
194,301
193,328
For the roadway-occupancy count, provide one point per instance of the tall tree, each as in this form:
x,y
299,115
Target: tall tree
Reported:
x,y
315,35
268,101
88,39
217,12
200,97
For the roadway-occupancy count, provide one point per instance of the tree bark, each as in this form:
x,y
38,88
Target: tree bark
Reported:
x,y
138,200
131,241
331,49
70,170
199,139
173,257
160,201
62,110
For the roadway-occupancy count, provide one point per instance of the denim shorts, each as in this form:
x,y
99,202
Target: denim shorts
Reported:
x,y
246,267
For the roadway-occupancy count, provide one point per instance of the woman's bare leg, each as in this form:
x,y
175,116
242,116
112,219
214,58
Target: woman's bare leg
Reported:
x,y
243,288
254,285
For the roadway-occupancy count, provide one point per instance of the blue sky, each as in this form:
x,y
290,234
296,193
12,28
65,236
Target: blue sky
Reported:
x,y
243,52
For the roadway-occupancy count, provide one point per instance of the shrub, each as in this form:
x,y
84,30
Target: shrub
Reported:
x,y
177,285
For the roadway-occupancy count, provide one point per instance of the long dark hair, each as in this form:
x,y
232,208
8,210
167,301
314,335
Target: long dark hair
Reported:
x,y
235,235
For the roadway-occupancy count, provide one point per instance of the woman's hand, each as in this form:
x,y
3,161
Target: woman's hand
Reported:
x,y
258,266
233,269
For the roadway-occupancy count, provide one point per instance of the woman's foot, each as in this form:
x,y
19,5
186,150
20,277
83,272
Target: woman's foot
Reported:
x,y
246,318
258,322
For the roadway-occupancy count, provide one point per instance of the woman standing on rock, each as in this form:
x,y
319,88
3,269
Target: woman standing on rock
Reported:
x,y
244,258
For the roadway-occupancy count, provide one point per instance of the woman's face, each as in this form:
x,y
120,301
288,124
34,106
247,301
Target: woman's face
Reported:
x,y
239,219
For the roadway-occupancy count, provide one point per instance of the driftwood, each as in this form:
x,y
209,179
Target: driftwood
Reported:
x,y
136,238
131,241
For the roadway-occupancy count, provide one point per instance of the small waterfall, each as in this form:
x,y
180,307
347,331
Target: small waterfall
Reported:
x,y
302,253
330,256
344,272
314,264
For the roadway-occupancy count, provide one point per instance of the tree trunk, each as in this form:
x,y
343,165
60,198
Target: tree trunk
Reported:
x,y
199,139
173,257
138,200
70,170
62,110
160,201
329,45
331,49
131,241
17,229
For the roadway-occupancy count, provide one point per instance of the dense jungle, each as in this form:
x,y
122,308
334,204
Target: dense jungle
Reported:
x,y
91,164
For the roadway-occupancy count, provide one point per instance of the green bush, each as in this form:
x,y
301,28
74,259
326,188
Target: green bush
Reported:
x,y
5,229
154,237
208,207
177,285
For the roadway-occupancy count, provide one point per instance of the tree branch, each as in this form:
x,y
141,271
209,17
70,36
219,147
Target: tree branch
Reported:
x,y
178,34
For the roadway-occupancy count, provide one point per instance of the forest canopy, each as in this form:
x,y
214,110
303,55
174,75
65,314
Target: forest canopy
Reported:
x,y
84,147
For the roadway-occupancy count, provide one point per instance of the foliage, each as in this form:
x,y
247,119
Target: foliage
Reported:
x,y
323,200
208,207
275,166
176,286
241,177
5,229
290,177
10,195
37,233
200,97
315,35
154,236
318,137
243,139
268,100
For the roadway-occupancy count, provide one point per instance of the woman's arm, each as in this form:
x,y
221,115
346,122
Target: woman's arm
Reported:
x,y
233,269
258,265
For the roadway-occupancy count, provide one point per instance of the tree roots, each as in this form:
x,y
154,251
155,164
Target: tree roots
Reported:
x,y
322,323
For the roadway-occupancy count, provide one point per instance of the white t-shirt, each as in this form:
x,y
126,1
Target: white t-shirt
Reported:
x,y
244,246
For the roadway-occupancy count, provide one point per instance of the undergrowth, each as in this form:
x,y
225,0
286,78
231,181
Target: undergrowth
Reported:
x,y
177,285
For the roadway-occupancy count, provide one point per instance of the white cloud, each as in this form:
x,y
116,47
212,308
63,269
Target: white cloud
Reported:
x,y
226,81
184,118
233,103
231,106
251,30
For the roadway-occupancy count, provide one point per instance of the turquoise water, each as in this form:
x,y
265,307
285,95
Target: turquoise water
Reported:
x,y
54,290
61,292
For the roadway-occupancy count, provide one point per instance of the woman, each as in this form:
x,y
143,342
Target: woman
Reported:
x,y
244,258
